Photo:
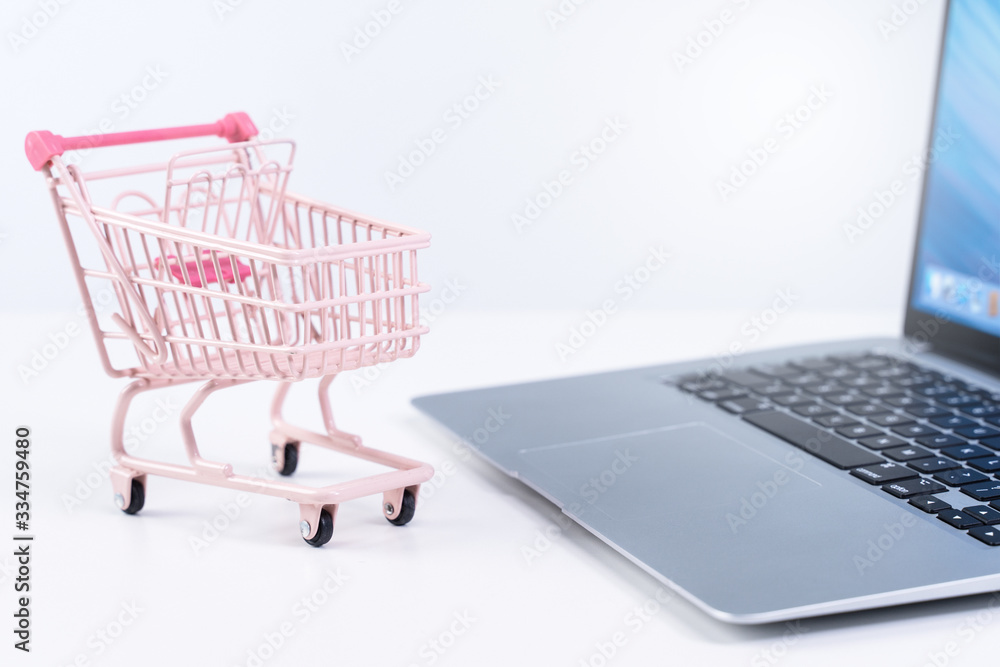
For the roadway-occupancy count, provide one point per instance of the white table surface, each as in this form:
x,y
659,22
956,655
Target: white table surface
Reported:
x,y
452,588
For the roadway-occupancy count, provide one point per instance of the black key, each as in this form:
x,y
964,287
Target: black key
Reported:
x,y
958,519
883,473
777,371
882,442
696,383
824,388
959,400
858,431
868,409
986,534
934,465
812,410
952,421
965,452
940,440
992,443
814,364
977,432
714,395
863,381
905,402
840,373
791,399
960,476
746,378
869,363
802,379
915,381
893,372
907,453
773,389
987,515
937,391
988,490
822,444
930,504
986,464
739,406
844,398
834,421
890,419
885,391
914,430
982,411
928,412
914,487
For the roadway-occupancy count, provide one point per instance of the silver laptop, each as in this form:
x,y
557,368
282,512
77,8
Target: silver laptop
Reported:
x,y
812,480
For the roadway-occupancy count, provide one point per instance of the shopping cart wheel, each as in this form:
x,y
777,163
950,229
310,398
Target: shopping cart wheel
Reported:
x,y
406,512
137,500
291,457
324,532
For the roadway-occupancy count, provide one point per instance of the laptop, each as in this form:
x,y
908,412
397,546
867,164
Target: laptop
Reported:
x,y
812,480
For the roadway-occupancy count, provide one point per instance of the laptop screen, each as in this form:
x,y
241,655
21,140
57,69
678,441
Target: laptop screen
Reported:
x,y
956,275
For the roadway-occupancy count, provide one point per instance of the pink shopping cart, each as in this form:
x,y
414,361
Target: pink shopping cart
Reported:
x,y
230,278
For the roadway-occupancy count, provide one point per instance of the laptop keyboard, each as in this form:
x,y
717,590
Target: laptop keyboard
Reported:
x,y
914,432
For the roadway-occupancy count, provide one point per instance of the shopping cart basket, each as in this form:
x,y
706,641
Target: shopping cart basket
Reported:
x,y
230,278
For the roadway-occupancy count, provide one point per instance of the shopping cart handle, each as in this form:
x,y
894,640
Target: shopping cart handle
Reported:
x,y
42,146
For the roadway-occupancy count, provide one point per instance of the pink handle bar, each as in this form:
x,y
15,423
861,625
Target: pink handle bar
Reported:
x,y
42,146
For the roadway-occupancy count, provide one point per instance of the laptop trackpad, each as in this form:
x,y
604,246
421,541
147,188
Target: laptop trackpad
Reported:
x,y
663,471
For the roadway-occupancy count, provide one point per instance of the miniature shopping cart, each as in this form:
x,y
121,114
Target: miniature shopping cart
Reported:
x,y
227,279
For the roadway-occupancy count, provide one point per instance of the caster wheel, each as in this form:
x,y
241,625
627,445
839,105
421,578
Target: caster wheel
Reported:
x,y
324,532
406,512
137,500
291,459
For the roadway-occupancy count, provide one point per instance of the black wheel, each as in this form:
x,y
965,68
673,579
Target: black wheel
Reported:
x,y
324,532
291,457
137,500
406,512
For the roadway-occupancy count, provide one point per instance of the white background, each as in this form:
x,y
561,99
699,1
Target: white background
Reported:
x,y
655,185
